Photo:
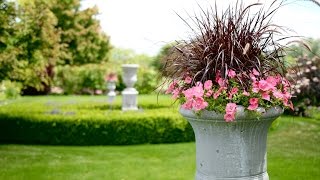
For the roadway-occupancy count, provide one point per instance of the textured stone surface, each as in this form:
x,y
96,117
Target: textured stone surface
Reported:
x,y
234,150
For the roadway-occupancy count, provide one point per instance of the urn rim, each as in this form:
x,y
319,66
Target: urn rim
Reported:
x,y
241,115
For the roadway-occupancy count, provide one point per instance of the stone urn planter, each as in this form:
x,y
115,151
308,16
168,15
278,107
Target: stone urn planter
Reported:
x,y
111,86
231,150
129,94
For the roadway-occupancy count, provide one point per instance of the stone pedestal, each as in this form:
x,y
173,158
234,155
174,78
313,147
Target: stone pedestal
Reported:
x,y
111,86
129,94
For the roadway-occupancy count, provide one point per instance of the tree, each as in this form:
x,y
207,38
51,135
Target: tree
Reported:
x,y
37,35
81,36
38,41
8,52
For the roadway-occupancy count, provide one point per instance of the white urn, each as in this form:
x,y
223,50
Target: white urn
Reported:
x,y
231,150
129,94
111,86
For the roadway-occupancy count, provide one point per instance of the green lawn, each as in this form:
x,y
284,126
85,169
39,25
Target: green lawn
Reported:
x,y
293,153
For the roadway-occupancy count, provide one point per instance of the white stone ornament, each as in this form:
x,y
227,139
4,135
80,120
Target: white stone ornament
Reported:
x,y
129,94
111,86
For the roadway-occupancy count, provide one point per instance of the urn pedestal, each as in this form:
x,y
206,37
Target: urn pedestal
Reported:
x,y
231,150
129,94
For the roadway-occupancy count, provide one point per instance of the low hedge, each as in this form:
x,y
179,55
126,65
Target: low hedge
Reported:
x,y
97,126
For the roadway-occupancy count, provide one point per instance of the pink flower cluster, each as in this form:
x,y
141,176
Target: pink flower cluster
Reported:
x,y
270,89
111,77
231,110
194,97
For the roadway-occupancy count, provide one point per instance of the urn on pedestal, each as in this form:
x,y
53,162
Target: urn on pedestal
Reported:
x,y
111,80
129,94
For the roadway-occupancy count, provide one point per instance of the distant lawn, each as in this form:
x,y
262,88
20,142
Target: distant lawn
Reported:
x,y
293,154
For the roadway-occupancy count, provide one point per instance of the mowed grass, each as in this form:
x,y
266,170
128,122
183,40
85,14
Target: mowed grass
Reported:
x,y
84,106
167,161
294,149
293,153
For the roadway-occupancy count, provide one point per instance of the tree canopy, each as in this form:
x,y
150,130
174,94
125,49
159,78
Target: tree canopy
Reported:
x,y
81,37
37,35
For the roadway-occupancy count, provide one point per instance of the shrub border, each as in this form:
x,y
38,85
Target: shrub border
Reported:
x,y
116,131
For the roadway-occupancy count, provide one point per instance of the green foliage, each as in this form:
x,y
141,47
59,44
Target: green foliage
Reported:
x,y
82,40
37,35
90,122
9,90
147,81
159,60
83,79
8,51
310,48
38,42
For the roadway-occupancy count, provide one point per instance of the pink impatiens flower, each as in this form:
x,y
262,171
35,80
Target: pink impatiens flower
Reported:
x,y
188,80
229,117
199,104
263,85
253,103
245,93
272,81
277,94
255,72
222,82
188,93
233,91
252,77
208,85
265,96
288,103
217,94
172,86
176,93
208,93
255,87
286,95
231,73
218,76
198,91
188,105
231,110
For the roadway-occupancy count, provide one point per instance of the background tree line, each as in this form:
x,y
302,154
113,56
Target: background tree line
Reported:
x,y
38,35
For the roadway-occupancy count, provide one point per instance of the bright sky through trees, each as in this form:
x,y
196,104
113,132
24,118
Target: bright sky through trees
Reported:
x,y
147,25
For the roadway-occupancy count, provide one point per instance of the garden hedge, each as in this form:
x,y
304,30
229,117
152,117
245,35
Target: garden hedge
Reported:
x,y
113,128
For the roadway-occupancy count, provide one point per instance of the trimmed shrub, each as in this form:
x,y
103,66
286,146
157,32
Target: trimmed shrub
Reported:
x,y
135,129
65,122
